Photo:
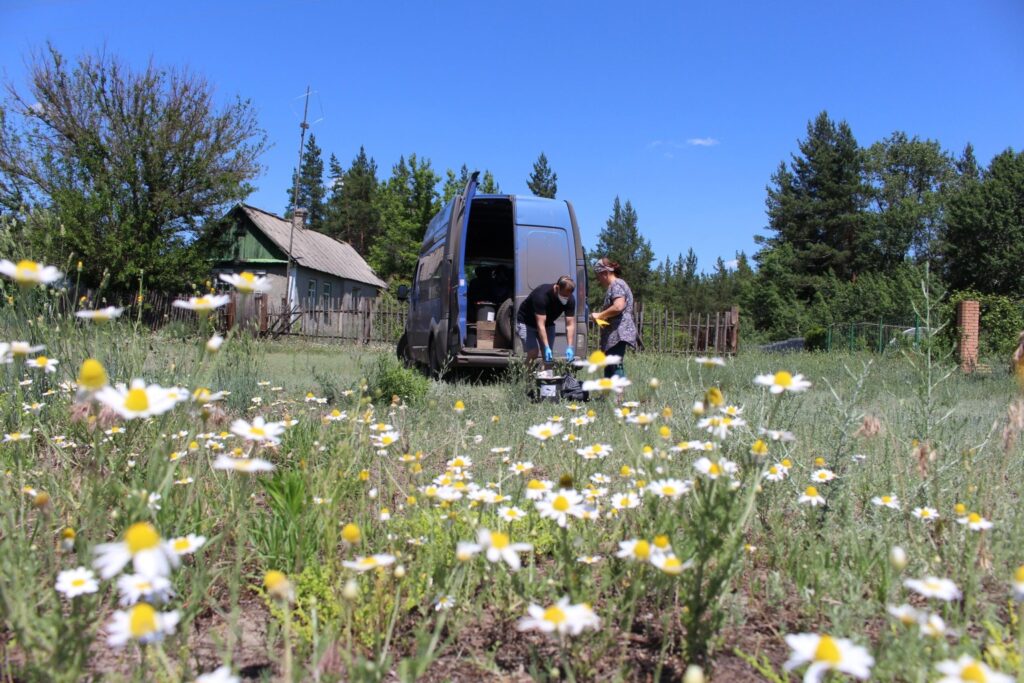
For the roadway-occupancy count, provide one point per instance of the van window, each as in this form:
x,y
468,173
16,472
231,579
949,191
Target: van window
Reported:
x,y
430,273
548,250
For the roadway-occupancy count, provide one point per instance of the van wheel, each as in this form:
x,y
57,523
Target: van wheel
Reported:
x,y
402,351
506,330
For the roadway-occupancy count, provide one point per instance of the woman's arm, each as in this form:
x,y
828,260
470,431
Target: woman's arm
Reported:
x,y
616,309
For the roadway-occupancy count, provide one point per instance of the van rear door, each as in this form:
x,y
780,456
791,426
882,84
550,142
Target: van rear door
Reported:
x,y
459,284
544,252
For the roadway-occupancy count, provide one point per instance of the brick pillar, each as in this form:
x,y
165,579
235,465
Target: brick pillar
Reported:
x,y
968,314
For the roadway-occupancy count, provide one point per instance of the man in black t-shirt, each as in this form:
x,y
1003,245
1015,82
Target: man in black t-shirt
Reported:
x,y
535,322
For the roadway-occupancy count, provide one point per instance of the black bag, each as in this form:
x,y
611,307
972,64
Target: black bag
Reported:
x,y
572,389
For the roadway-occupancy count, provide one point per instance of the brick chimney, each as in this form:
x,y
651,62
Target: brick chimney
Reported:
x,y
299,218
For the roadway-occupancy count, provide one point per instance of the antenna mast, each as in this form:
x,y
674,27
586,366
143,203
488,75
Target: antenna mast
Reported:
x,y
292,279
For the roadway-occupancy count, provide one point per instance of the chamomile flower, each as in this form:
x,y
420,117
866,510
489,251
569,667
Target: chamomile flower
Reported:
x,y
670,488
221,674
776,434
385,439
258,431
905,614
670,564
47,365
783,381
247,283
891,502
138,588
100,315
710,362
536,489
615,383
825,653
142,623
636,549
214,343
811,497
203,304
595,451
925,514
560,505
933,587
933,626
139,400
521,467
186,545
142,546
1018,583
561,618
511,513
823,476
28,273
625,501
713,470
596,361
498,547
249,465
966,669
444,602
589,559
364,564
775,473
974,522
545,431
74,582
14,437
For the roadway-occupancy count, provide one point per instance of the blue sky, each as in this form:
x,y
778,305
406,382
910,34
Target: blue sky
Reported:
x,y
615,94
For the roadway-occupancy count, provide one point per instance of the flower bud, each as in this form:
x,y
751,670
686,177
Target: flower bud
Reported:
x,y
897,558
350,590
694,674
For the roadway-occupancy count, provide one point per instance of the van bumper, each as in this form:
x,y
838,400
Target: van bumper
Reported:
x,y
483,358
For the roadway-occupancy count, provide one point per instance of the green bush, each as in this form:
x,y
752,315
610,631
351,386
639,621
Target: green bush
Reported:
x,y
388,377
1002,319
815,339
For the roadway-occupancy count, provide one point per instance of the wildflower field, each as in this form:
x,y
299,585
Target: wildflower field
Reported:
x,y
182,506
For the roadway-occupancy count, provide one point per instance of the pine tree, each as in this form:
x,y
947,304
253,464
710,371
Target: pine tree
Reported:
x,y
621,241
454,184
357,220
311,191
543,182
816,206
984,240
488,185
406,204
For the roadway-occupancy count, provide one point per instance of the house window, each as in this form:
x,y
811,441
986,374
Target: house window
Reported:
x,y
327,303
311,294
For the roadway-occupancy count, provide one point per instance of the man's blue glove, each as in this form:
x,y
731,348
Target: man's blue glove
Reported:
x,y
548,357
569,354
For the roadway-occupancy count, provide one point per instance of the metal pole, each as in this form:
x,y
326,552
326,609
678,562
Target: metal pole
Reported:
x,y
290,274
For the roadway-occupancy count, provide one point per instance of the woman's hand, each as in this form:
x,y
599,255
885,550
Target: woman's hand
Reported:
x,y
600,321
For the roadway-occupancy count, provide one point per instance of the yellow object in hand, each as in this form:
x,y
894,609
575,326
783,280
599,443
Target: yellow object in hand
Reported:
x,y
601,323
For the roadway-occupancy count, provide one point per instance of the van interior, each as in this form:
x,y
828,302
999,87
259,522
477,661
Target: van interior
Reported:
x,y
490,273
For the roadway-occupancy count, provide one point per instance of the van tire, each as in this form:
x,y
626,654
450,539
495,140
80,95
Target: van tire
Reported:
x,y
506,330
402,351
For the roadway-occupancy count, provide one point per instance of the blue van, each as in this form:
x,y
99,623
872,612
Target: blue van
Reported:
x,y
481,257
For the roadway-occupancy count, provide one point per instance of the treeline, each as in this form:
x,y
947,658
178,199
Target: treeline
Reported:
x,y
853,232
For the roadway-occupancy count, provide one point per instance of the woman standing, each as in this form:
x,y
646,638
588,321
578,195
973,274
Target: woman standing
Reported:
x,y
618,329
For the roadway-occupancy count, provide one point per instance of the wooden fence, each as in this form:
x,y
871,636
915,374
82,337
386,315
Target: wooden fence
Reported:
x,y
383,321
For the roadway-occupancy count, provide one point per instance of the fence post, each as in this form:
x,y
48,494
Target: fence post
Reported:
x,y
735,319
880,347
968,314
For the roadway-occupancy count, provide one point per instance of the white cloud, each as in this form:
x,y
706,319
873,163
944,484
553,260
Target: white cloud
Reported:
x,y
732,264
702,142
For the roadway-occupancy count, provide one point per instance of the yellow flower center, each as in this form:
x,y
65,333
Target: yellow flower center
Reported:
x,y
604,383
642,549
26,268
819,462
499,540
181,544
41,361
784,379
561,503
597,358
773,470
1018,575
714,397
886,499
759,448
811,492
368,562
257,431
624,501
141,620
141,536
827,651
545,433
203,301
973,518
973,672
137,400
926,513
787,463
554,614
274,580
92,375
960,509
714,469
247,280
661,541
673,565
459,405
77,583
669,490
350,533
